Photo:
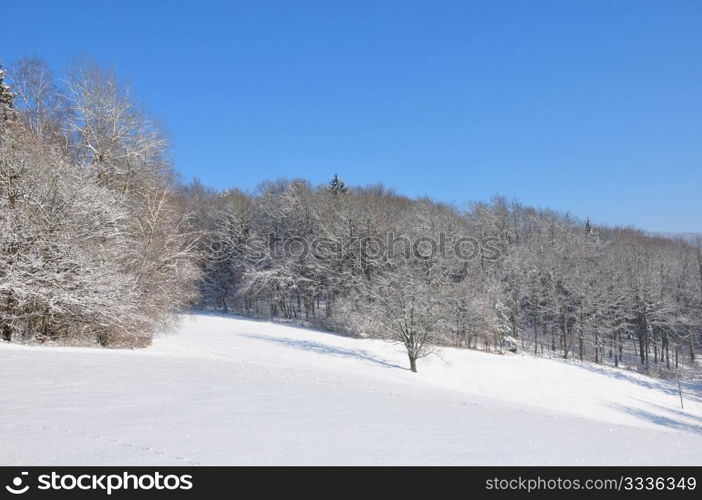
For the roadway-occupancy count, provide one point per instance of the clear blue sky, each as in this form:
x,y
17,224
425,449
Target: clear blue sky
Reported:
x,y
592,107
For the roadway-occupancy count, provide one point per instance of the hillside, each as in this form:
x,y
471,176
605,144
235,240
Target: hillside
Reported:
x,y
225,390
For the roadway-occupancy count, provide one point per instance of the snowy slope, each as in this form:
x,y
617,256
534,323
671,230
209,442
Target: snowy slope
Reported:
x,y
224,390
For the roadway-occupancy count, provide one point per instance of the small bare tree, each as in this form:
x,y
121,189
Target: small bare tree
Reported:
x,y
407,304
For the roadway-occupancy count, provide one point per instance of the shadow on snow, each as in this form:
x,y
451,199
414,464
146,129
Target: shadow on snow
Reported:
x,y
307,345
659,419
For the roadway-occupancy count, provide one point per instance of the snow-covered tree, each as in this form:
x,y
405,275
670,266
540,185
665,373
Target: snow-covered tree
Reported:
x,y
6,96
95,245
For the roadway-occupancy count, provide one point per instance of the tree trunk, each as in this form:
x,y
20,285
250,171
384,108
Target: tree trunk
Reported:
x,y
536,335
553,338
642,334
581,334
564,334
515,331
413,364
7,332
597,347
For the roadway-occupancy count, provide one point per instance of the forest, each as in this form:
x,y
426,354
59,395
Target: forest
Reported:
x,y
102,243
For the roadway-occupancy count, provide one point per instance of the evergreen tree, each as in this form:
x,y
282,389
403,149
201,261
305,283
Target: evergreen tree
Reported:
x,y
6,97
337,185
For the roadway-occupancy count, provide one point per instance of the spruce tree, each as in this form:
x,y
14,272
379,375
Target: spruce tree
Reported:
x,y
337,185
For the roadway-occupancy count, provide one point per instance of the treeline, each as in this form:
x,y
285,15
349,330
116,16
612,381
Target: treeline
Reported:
x,y
491,276
95,245
100,244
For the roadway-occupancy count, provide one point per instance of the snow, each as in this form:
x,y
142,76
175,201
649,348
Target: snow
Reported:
x,y
226,390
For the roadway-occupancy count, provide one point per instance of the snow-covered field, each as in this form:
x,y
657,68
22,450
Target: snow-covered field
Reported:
x,y
223,390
